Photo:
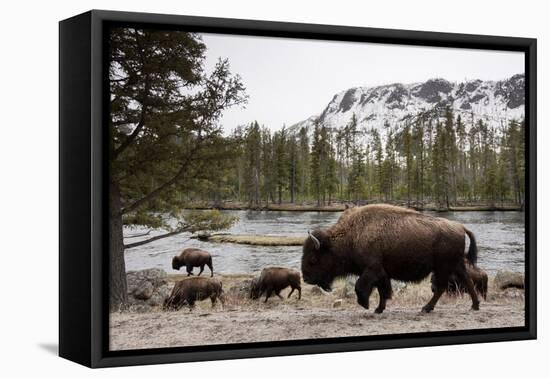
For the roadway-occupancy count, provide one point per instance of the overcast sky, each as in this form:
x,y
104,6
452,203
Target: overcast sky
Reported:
x,y
289,80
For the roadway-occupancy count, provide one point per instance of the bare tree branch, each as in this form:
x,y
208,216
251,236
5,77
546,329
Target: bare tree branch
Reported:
x,y
138,235
132,136
146,241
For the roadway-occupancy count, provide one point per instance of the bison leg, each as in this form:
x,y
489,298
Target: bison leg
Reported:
x,y
268,294
278,293
431,304
202,268
189,270
484,287
363,289
441,284
465,277
211,268
213,300
384,292
291,291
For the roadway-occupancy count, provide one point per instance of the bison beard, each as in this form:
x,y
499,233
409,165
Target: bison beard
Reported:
x,y
381,242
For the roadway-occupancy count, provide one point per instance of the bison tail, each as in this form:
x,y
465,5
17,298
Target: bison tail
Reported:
x,y
472,251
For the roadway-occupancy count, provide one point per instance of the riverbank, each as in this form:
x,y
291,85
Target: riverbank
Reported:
x,y
316,315
263,240
336,207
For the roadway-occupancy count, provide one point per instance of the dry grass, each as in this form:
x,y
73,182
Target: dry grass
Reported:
x,y
314,316
412,295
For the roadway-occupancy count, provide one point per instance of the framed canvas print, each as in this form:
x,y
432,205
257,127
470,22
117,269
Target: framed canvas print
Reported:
x,y
234,188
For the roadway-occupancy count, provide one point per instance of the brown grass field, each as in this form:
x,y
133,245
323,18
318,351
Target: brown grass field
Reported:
x,y
316,315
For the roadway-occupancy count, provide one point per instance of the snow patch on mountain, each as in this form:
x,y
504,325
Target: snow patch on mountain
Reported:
x,y
495,102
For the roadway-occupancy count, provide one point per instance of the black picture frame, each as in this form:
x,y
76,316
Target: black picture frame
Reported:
x,y
83,195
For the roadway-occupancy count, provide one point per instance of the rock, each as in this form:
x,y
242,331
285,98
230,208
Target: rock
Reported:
x,y
147,288
337,303
241,289
316,290
144,291
135,278
140,308
505,280
348,291
513,293
397,286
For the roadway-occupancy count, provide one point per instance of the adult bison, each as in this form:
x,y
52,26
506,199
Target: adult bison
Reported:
x,y
192,257
382,242
190,290
479,278
273,280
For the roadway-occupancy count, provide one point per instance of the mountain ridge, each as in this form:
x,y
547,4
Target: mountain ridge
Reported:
x,y
495,102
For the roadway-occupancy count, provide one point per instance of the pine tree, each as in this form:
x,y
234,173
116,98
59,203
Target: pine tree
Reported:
x,y
407,151
280,162
378,158
253,150
315,161
268,174
389,167
450,156
356,176
417,139
329,179
303,155
440,168
461,179
161,139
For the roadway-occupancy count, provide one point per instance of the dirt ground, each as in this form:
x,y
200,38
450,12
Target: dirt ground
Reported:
x,y
316,315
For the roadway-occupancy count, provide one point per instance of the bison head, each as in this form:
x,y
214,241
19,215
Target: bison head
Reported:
x,y
176,263
318,263
255,288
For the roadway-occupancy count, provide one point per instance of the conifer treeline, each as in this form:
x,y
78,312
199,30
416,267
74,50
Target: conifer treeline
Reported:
x,y
419,162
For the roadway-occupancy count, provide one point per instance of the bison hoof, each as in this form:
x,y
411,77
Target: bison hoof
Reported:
x,y
378,310
475,307
427,309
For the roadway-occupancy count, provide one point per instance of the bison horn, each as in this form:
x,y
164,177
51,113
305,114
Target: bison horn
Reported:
x,y
315,240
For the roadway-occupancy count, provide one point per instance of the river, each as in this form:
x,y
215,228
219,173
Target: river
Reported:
x,y
500,236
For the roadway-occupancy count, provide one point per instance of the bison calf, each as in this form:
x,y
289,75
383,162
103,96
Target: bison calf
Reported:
x,y
190,290
192,257
273,280
455,285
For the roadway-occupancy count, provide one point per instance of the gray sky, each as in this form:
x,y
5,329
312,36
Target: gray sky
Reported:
x,y
289,80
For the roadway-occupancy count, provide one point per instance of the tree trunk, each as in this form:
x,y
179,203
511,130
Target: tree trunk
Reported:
x,y
117,273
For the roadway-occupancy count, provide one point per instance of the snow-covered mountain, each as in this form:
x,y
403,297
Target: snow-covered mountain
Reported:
x,y
495,102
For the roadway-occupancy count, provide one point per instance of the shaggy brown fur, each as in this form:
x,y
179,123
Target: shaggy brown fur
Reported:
x,y
479,278
190,290
192,257
273,280
383,242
